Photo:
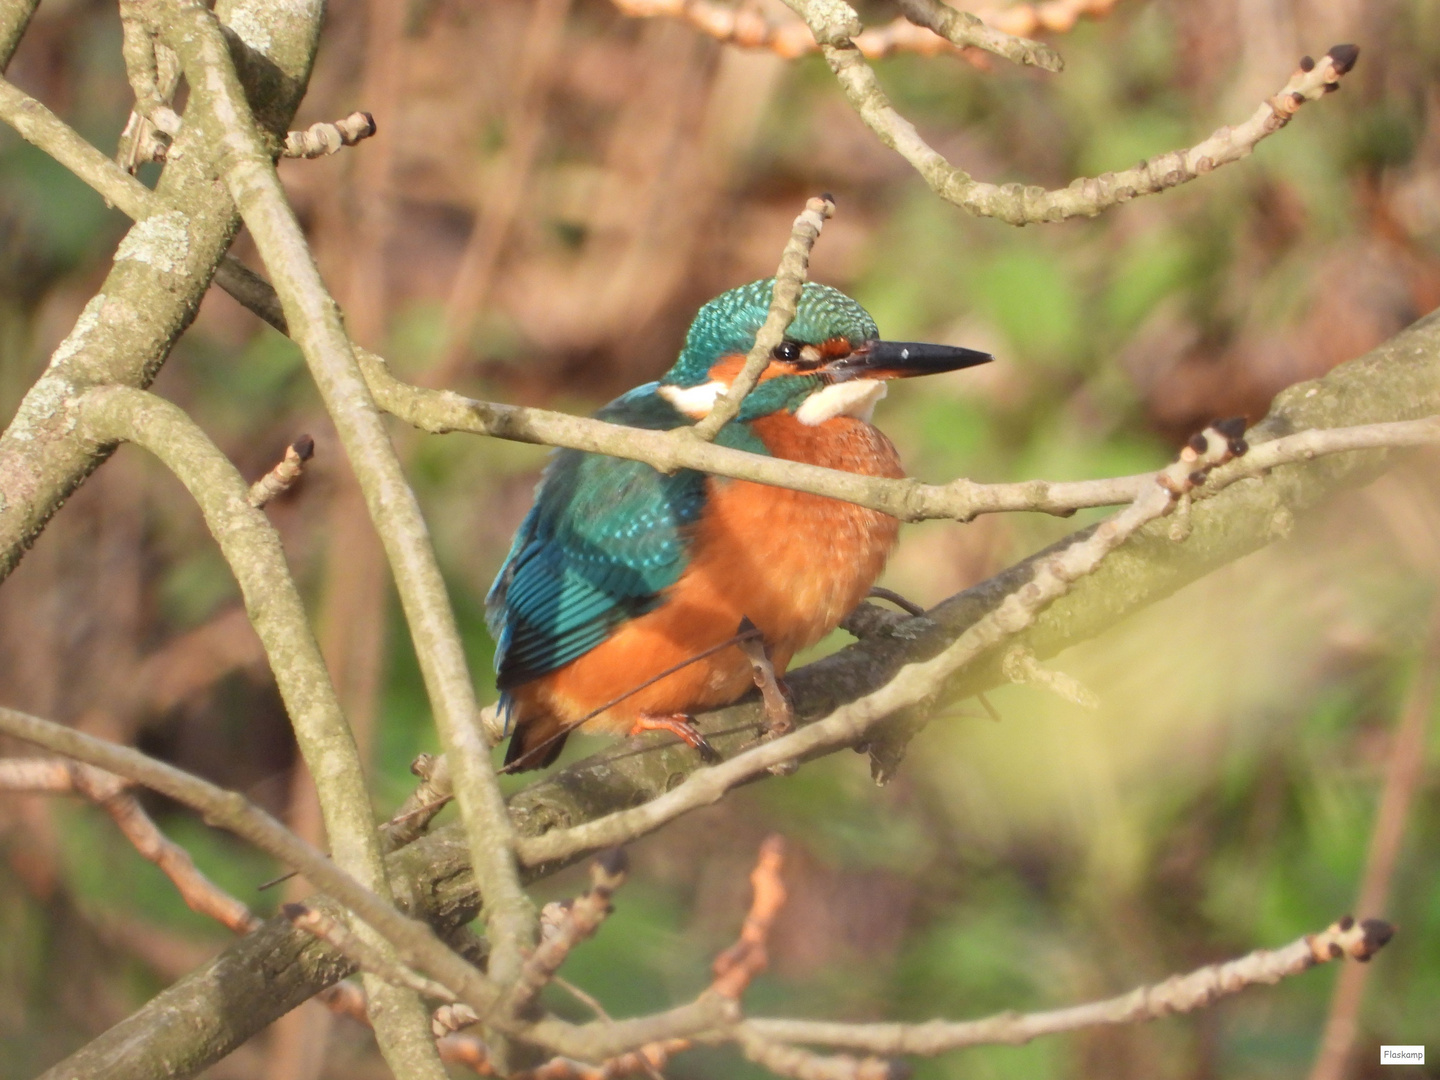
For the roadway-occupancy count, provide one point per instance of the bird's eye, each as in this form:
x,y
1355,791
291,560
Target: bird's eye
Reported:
x,y
787,350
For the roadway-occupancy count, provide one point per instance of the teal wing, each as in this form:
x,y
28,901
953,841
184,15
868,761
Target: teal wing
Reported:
x,y
604,540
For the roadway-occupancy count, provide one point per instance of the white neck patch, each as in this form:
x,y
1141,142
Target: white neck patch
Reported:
x,y
857,398
694,401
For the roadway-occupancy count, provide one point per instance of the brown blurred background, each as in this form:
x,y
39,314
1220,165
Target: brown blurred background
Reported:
x,y
553,190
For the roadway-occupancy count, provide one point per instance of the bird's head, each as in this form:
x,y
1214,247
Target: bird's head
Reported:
x,y
831,363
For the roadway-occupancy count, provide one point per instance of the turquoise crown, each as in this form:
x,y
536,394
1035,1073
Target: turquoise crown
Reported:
x,y
728,325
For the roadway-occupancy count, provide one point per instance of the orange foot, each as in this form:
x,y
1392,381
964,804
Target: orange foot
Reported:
x,y
682,727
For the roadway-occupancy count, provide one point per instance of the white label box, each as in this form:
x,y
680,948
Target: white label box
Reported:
x,y
1402,1055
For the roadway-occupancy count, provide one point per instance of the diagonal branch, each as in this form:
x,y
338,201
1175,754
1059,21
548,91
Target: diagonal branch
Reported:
x,y
152,293
14,18
415,942
964,29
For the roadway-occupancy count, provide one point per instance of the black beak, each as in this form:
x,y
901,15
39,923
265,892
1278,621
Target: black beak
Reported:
x,y
902,360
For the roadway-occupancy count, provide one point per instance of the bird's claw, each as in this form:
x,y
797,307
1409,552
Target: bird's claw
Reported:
x,y
684,729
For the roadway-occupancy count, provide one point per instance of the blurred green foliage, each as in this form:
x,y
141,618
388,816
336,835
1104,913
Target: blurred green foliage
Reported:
x,y
1220,800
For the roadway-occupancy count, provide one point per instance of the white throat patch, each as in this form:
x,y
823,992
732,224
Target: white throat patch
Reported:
x,y
856,397
694,401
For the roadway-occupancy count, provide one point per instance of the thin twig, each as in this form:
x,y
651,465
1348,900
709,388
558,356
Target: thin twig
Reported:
x,y
154,75
908,499
422,804
110,793
964,29
415,942
746,26
1178,994
792,1061
1403,769
1020,665
737,966
835,25
784,298
567,925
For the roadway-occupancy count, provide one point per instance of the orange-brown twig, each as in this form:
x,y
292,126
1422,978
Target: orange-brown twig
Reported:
x,y
737,965
748,28
111,794
565,925
346,998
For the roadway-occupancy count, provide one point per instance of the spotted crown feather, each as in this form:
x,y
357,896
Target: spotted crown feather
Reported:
x,y
728,325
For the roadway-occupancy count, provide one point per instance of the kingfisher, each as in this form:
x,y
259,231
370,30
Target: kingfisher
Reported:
x,y
621,576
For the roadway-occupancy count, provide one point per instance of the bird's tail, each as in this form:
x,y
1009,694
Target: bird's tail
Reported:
x,y
535,743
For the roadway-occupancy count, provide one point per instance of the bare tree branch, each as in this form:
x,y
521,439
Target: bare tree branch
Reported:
x,y
161,271
252,549
964,29
14,18
285,474
53,776
368,959
218,107
415,942
565,926
835,25
1178,994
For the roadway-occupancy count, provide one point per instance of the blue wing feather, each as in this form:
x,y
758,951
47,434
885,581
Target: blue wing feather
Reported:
x,y
602,543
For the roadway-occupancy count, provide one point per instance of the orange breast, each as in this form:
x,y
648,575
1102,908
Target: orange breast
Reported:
x,y
794,564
